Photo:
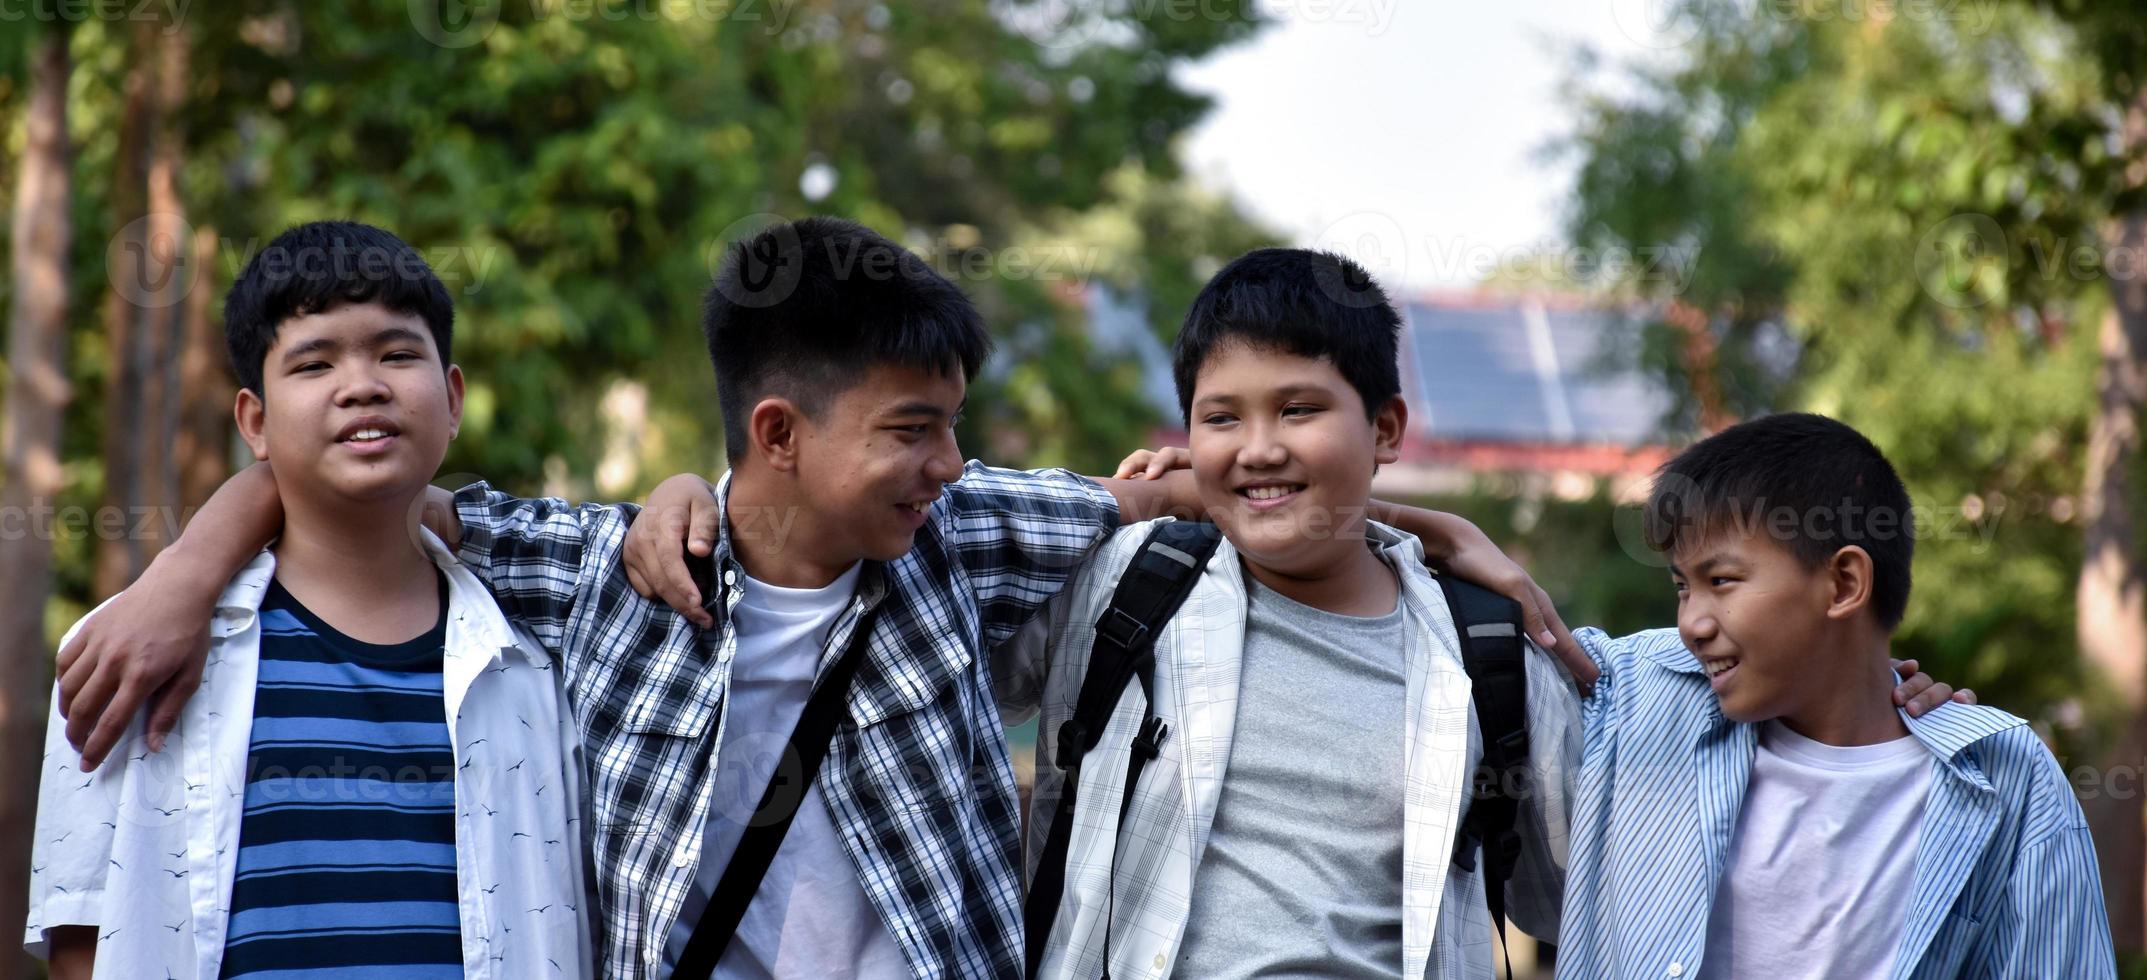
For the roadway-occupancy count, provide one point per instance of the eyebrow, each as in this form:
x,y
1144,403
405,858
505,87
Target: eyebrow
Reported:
x,y
1705,565
382,338
926,408
1285,391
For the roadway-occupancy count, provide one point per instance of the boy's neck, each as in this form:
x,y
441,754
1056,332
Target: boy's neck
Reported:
x,y
1855,704
369,550
1359,583
770,537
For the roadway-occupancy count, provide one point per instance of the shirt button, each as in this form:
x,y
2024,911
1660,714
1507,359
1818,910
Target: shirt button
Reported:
x,y
1676,970
679,861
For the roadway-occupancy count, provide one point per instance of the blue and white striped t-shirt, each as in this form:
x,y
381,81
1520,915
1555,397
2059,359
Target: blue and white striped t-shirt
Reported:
x,y
346,864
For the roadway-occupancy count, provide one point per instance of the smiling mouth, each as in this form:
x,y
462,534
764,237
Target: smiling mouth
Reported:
x,y
1719,670
1270,492
917,508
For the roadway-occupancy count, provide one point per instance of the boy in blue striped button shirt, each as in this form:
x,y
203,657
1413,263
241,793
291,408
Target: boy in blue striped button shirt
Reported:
x,y
1751,803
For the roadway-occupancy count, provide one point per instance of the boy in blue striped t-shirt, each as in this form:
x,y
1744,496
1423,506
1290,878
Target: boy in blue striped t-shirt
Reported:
x,y
1751,803
378,776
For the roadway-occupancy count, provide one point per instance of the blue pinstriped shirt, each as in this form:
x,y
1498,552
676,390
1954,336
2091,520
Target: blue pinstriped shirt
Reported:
x,y
2005,878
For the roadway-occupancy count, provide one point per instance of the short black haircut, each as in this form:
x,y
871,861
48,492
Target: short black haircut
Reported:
x,y
321,265
1295,301
803,309
1807,482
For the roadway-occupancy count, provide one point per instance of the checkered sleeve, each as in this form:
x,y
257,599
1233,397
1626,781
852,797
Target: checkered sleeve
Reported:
x,y
1019,535
541,556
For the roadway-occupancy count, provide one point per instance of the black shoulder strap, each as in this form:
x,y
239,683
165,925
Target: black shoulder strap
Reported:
x,y
778,806
1489,628
1161,575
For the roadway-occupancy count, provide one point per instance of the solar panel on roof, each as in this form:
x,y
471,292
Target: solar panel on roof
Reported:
x,y
1489,373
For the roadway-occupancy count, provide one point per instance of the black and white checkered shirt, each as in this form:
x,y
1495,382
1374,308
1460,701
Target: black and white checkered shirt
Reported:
x,y
917,779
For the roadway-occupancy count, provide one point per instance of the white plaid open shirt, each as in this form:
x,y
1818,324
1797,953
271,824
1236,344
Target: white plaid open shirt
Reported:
x,y
917,779
1446,927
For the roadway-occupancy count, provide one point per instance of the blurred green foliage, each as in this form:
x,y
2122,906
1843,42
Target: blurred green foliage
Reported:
x,y
573,169
1883,209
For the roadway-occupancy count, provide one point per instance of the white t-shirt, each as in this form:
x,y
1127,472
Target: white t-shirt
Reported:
x,y
835,932
1818,877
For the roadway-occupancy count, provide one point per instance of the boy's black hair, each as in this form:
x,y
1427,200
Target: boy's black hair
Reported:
x,y
1807,482
803,309
1296,301
321,265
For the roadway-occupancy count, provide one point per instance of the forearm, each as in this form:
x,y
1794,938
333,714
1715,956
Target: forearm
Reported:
x,y
1174,494
438,515
74,952
239,520
1438,530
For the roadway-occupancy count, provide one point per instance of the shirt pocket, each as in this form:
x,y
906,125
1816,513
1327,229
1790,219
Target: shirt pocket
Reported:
x,y
916,761
649,774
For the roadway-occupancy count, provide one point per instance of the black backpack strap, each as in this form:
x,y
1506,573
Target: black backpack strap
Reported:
x,y
1489,629
1154,585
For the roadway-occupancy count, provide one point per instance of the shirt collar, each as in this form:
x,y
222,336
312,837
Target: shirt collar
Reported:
x,y
1673,656
241,599
723,559
1947,731
1403,549
872,580
1950,729
469,601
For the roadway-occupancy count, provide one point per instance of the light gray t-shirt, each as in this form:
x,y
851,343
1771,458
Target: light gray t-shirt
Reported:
x,y
1303,871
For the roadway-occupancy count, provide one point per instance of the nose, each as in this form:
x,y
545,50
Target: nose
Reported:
x,y
361,385
1696,622
945,464
1262,451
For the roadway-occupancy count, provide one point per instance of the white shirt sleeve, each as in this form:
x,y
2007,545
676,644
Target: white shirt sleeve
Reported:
x,y
77,813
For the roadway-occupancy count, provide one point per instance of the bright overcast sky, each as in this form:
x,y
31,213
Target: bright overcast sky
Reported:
x,y
1405,132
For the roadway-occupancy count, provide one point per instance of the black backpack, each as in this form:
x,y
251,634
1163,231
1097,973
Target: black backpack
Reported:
x,y
1150,592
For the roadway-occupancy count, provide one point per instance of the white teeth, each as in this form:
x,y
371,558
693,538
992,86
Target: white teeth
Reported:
x,y
1719,667
363,435
1269,493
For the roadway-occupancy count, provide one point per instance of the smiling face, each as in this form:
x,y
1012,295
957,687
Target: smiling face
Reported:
x,y
355,406
873,459
1760,622
1283,455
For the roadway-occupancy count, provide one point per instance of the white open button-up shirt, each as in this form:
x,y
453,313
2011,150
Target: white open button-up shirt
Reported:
x,y
145,848
1446,927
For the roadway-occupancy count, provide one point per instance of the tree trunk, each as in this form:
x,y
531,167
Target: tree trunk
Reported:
x,y
37,392
145,321
2112,621
206,387
163,314
1697,352
2112,606
119,556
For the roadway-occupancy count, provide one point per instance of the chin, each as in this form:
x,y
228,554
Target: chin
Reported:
x,y
1745,713
892,548
375,487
